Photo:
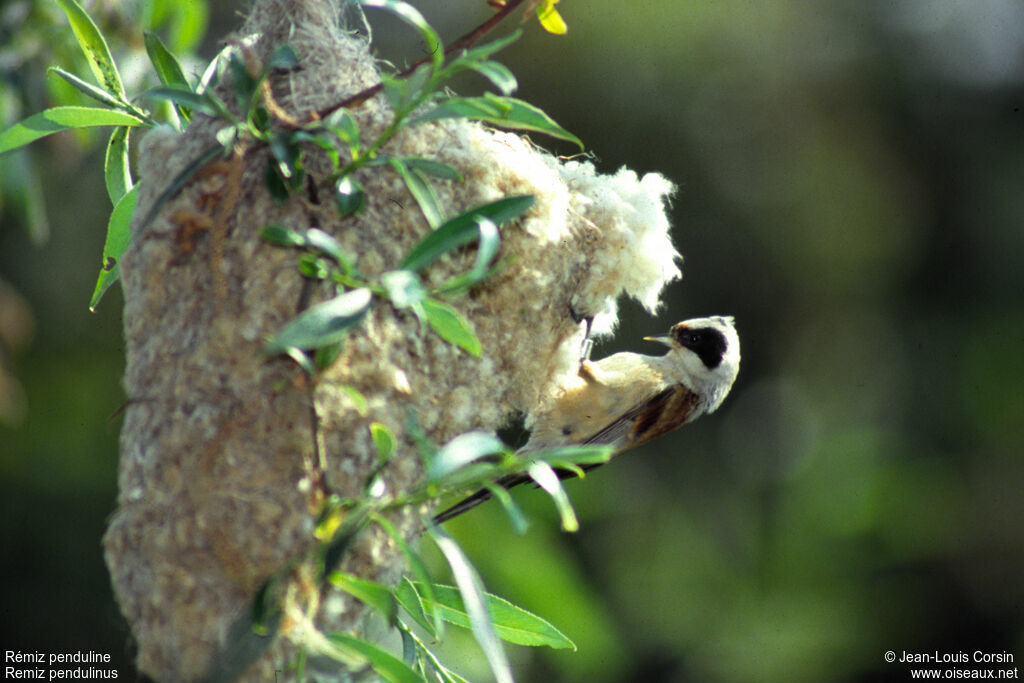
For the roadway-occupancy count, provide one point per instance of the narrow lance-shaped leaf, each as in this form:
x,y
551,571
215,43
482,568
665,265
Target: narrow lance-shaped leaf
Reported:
x,y
499,75
504,112
97,93
451,325
168,70
577,455
433,168
461,451
94,46
348,195
482,52
547,479
118,237
463,229
116,169
488,247
383,440
445,674
322,324
404,288
56,119
368,592
275,233
389,667
409,600
512,510
204,102
511,623
327,244
419,570
412,16
472,593
421,191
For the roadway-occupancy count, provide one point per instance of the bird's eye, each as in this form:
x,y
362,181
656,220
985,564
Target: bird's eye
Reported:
x,y
693,338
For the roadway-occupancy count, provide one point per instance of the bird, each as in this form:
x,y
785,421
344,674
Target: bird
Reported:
x,y
627,399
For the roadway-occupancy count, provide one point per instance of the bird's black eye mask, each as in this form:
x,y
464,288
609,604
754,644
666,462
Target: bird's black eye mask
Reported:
x,y
708,343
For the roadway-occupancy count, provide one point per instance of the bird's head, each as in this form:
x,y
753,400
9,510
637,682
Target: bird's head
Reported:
x,y
706,351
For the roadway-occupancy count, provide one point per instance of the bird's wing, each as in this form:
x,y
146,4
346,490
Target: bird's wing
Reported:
x,y
660,414
665,411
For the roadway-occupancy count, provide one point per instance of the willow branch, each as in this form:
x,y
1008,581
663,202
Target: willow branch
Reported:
x,y
462,43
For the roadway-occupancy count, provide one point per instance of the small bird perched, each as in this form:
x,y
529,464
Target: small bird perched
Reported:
x,y
627,399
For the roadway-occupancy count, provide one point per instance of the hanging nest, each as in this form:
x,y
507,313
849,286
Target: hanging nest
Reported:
x,y
217,490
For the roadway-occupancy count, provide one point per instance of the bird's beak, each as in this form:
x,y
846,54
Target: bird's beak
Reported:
x,y
667,341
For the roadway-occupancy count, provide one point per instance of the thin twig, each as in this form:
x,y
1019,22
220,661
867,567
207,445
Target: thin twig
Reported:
x,y
462,43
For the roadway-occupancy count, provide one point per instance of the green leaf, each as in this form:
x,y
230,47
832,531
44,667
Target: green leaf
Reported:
x,y
353,522
322,324
386,665
348,195
325,356
98,94
283,57
433,168
511,623
411,641
463,229
411,16
384,440
452,326
488,247
504,112
276,185
326,244
409,600
514,512
275,233
289,159
322,138
419,570
498,74
485,51
167,67
357,399
215,69
168,70
95,48
577,455
475,604
119,236
244,84
368,592
116,168
460,451
56,119
343,124
404,288
422,192
205,102
547,479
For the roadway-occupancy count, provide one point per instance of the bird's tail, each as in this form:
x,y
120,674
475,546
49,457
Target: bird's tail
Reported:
x,y
506,482
480,496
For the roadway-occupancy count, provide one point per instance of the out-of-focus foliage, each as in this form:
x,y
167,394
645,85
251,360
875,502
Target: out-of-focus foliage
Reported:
x,y
851,183
34,36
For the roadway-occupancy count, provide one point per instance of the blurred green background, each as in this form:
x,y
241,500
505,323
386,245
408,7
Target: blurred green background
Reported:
x,y
851,188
